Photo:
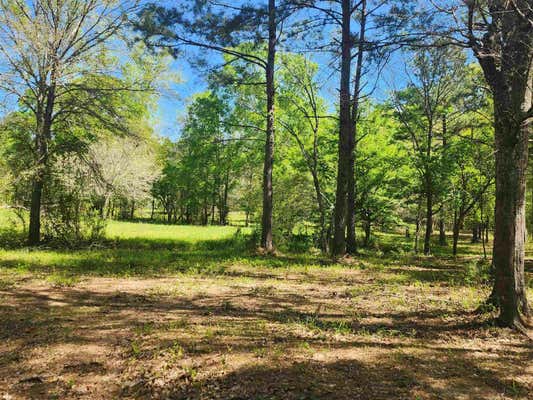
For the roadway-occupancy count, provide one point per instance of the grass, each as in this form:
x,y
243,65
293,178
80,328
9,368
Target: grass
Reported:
x,y
161,311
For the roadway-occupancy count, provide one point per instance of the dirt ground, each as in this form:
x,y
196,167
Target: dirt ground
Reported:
x,y
339,333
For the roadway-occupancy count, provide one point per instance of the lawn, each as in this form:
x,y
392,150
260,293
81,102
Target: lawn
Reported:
x,y
176,312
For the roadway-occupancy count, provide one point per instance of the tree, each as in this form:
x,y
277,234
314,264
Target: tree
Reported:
x,y
302,112
221,28
200,169
383,170
499,34
368,32
48,49
123,168
505,53
422,109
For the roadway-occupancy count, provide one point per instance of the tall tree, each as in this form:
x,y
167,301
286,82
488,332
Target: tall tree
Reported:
x,y
46,48
302,113
421,109
222,27
499,34
367,33
505,53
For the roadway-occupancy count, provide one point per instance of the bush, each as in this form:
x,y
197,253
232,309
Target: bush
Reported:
x,y
299,242
477,272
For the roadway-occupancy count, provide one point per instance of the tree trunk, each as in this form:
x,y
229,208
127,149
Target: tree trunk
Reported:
x,y
417,227
506,57
368,227
475,231
351,244
267,220
458,219
338,245
429,222
42,138
442,232
509,219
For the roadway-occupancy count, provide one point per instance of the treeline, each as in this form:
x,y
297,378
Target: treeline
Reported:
x,y
413,164
290,130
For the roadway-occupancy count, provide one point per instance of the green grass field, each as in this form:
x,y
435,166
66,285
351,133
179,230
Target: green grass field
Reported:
x,y
181,312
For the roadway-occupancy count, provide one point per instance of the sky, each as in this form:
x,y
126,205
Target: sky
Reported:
x,y
172,103
172,108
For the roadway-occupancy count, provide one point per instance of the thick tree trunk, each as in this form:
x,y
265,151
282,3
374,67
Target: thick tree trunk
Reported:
x,y
338,245
267,220
509,219
506,57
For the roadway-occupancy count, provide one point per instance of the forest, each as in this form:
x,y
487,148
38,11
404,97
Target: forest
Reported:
x,y
271,199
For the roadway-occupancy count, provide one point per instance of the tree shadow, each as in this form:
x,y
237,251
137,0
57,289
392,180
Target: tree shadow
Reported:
x,y
383,364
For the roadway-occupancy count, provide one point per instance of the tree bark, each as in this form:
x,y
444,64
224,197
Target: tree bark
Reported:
x,y
44,117
505,54
267,219
442,232
338,245
351,243
429,221
509,220
455,234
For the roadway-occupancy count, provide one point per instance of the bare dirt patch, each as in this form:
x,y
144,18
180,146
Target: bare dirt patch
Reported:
x,y
322,333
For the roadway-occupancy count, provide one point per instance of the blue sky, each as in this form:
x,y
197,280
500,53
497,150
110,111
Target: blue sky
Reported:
x,y
171,108
172,105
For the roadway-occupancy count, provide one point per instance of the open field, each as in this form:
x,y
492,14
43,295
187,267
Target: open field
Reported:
x,y
173,312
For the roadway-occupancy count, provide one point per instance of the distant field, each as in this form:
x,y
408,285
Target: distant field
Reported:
x,y
179,233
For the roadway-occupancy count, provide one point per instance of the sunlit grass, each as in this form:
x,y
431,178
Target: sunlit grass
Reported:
x,y
181,233
151,249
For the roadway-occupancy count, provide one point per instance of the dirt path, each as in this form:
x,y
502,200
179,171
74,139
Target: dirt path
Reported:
x,y
256,334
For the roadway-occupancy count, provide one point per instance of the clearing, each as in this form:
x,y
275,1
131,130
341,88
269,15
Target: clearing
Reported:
x,y
174,312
